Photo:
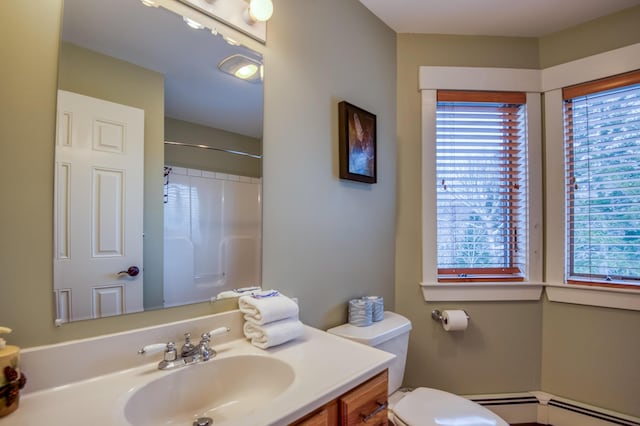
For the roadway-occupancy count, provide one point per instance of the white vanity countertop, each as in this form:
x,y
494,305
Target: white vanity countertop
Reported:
x,y
325,367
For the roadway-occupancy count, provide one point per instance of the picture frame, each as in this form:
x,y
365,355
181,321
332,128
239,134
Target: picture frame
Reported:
x,y
357,142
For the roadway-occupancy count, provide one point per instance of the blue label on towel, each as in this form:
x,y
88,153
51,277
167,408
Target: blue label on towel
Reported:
x,y
262,295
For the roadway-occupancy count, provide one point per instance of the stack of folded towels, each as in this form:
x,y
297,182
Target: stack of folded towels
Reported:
x,y
271,318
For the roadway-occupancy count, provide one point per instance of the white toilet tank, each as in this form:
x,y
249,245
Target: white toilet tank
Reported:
x,y
390,335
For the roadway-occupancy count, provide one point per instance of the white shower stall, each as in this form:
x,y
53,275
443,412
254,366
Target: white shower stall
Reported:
x,y
212,234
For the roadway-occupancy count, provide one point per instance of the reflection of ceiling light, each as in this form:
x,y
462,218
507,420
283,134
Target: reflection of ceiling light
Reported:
x,y
149,3
242,67
246,71
259,11
193,24
230,41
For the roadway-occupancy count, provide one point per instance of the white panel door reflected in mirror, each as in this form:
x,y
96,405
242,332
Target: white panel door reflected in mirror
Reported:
x,y
98,210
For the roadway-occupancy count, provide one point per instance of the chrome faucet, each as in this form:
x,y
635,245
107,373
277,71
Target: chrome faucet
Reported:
x,y
188,349
189,353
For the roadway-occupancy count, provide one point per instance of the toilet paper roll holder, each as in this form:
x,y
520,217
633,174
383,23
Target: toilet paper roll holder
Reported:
x,y
437,315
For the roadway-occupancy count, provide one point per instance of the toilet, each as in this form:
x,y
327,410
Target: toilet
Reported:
x,y
422,406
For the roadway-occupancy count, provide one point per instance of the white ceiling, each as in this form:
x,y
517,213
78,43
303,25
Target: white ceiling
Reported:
x,y
524,18
159,40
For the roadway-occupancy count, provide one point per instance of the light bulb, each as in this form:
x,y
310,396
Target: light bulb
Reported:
x,y
246,71
193,24
149,3
260,10
230,41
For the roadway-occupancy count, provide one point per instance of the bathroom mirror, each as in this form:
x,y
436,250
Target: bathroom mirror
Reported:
x,y
158,161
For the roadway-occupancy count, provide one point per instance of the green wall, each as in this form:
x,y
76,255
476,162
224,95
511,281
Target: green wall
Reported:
x,y
500,352
327,240
93,74
590,354
28,79
600,35
203,159
416,50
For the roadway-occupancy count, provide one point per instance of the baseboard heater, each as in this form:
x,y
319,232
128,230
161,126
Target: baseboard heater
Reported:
x,y
558,412
592,413
508,400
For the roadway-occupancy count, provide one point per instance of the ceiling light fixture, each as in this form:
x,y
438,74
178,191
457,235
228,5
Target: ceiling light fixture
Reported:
x,y
149,3
230,41
193,24
258,11
242,67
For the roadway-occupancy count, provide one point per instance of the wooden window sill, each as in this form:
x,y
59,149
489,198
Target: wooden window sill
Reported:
x,y
473,278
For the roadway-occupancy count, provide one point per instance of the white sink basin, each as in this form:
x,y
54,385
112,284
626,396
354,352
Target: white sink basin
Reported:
x,y
221,389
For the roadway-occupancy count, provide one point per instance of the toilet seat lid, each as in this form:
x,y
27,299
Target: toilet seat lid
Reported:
x,y
432,407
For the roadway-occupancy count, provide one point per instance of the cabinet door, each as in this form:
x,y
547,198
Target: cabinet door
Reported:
x,y
366,404
326,416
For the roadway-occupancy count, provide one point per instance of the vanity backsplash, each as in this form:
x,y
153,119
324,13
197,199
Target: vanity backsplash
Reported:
x,y
60,364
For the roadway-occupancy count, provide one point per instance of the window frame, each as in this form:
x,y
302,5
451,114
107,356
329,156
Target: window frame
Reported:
x,y
568,94
511,272
553,79
480,79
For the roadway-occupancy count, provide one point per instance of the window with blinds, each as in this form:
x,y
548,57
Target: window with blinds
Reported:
x,y
602,172
481,168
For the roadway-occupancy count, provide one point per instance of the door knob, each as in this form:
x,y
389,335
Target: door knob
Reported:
x,y
132,271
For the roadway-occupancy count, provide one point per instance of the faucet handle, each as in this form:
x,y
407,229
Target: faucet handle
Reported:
x,y
153,348
215,332
206,352
170,353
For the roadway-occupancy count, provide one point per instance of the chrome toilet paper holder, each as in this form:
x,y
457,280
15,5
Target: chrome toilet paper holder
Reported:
x,y
437,315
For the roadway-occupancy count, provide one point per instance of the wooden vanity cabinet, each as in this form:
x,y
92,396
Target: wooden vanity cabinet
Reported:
x,y
325,416
364,405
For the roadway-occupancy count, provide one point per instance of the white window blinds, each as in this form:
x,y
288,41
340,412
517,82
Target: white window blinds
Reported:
x,y
481,162
602,169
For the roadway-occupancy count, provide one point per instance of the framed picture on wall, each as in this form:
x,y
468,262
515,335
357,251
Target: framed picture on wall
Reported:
x,y
357,143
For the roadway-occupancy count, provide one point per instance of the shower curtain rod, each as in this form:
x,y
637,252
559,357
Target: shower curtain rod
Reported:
x,y
229,151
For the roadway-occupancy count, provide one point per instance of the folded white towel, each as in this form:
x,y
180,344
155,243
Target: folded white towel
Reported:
x,y
274,333
263,310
